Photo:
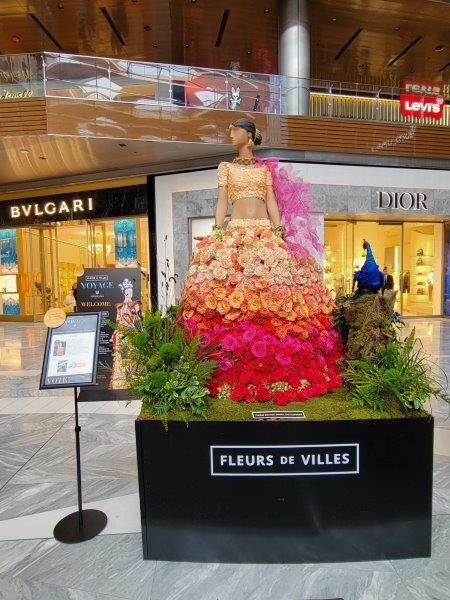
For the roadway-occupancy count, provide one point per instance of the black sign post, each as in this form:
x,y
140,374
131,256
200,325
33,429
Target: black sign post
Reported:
x,y
70,360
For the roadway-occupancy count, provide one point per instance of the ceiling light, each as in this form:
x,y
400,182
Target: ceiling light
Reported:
x,y
154,45
15,39
43,158
396,28
193,1
147,28
249,51
134,1
122,145
334,19
266,11
186,45
24,151
60,6
412,71
440,48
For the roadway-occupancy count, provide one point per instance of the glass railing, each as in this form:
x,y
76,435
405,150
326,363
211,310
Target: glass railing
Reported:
x,y
146,85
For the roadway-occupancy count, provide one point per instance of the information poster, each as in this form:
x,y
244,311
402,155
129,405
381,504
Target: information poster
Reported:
x,y
70,358
116,293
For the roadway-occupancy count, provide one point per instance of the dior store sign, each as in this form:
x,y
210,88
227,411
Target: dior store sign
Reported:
x,y
407,201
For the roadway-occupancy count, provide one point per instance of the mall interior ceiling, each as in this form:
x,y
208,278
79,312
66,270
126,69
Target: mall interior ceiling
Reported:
x,y
369,41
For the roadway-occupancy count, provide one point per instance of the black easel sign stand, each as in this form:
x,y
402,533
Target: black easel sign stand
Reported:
x,y
70,360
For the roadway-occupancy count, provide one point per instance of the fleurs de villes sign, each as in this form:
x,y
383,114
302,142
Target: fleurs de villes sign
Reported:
x,y
422,99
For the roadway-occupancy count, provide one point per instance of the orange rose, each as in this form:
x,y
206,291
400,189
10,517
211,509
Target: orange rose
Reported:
x,y
261,283
187,314
223,306
236,299
220,292
210,301
254,302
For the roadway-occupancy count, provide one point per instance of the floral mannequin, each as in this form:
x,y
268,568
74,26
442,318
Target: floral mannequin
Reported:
x,y
265,307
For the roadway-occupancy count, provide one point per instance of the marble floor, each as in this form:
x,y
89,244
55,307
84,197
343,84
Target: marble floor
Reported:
x,y
38,487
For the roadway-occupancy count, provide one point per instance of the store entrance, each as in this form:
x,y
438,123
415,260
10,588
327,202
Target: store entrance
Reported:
x,y
40,264
410,253
64,250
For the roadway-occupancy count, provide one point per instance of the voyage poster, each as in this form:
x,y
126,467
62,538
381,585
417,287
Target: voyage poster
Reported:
x,y
117,294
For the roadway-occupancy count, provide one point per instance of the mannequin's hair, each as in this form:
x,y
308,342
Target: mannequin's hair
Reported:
x,y
251,128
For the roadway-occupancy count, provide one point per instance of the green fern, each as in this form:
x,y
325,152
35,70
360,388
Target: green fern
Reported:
x,y
167,368
399,370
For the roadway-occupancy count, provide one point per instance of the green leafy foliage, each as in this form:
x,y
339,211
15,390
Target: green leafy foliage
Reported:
x,y
398,370
167,367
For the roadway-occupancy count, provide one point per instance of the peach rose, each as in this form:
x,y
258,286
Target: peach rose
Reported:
x,y
219,273
210,301
236,298
223,306
220,292
254,303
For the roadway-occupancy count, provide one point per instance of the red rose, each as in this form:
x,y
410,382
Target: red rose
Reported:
x,y
262,393
282,398
238,393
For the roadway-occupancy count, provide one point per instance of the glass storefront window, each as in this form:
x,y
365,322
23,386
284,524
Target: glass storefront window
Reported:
x,y
39,264
410,252
422,269
337,259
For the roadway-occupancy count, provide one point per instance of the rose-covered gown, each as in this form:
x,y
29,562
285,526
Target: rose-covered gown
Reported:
x,y
264,309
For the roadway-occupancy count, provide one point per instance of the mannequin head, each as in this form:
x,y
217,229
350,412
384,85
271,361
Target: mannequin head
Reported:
x,y
242,131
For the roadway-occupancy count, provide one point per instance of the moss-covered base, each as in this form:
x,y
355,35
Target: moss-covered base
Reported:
x,y
337,405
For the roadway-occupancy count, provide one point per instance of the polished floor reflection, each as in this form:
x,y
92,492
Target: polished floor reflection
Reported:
x,y
38,486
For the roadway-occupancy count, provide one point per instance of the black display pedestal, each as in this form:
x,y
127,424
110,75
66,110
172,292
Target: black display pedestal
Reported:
x,y
366,497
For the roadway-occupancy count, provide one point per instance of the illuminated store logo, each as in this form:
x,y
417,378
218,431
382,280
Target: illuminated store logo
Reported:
x,y
421,99
24,94
51,208
403,201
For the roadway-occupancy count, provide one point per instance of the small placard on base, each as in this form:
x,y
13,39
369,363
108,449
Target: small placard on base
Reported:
x,y
276,415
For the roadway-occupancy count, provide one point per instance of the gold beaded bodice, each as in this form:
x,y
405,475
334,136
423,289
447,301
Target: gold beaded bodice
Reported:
x,y
244,181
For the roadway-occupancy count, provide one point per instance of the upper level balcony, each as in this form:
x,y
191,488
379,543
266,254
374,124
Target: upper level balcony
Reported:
x,y
71,95
74,77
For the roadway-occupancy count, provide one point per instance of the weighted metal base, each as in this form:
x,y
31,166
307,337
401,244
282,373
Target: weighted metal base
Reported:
x,y
69,531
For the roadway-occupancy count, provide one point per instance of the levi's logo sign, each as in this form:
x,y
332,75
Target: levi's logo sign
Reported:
x,y
267,461
421,99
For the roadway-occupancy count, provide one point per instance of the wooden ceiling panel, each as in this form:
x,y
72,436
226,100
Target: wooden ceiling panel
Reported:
x,y
185,32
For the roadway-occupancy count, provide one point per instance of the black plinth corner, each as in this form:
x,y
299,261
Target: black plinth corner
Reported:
x,y
286,492
70,531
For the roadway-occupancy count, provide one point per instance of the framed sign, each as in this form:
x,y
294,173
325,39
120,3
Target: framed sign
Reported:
x,y
71,352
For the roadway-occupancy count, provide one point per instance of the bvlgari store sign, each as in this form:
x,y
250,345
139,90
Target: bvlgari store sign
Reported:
x,y
97,204
50,208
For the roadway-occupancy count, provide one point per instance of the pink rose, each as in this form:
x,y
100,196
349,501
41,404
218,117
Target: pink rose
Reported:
x,y
229,343
248,335
258,349
283,359
191,324
225,364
